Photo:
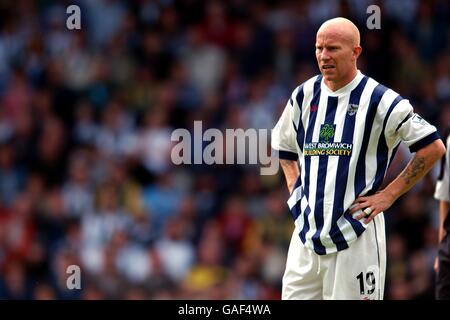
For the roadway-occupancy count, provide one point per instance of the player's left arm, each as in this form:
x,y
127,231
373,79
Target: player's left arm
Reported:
x,y
417,168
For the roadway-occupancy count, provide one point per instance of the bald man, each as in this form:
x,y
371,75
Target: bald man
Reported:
x,y
336,139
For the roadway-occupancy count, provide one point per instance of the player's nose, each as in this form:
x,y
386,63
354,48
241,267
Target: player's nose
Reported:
x,y
324,56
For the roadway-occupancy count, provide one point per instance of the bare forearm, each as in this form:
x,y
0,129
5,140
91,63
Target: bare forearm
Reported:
x,y
291,172
417,168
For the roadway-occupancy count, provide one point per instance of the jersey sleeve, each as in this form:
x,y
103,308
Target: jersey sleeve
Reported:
x,y
442,191
283,138
405,125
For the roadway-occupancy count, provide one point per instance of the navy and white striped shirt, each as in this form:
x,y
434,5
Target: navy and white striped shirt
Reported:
x,y
345,141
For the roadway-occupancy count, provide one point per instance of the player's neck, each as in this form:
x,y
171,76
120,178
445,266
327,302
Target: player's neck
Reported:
x,y
336,85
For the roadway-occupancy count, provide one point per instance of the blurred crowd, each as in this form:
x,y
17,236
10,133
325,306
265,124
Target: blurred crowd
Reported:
x,y
86,117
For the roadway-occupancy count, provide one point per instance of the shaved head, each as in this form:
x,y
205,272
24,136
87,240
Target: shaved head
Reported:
x,y
337,49
343,28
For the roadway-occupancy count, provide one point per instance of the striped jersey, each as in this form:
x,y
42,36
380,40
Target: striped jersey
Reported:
x,y
344,141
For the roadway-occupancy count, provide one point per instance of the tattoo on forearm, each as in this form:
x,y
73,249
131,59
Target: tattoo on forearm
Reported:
x,y
414,169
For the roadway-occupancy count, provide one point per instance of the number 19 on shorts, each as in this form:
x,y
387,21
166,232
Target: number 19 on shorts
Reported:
x,y
368,281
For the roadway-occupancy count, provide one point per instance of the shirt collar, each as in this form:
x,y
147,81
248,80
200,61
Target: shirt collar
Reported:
x,y
345,89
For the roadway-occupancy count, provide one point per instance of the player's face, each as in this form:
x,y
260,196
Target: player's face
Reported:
x,y
334,56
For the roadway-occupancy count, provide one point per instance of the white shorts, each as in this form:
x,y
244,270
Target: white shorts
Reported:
x,y
356,273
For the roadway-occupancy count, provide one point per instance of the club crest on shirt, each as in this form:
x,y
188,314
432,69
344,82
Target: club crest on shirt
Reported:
x,y
352,108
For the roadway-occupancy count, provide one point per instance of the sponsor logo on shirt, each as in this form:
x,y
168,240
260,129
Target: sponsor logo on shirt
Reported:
x,y
326,145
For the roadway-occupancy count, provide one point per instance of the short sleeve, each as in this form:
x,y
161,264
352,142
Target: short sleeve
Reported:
x,y
405,125
284,135
442,191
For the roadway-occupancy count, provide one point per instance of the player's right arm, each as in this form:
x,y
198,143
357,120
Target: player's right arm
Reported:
x,y
285,144
291,172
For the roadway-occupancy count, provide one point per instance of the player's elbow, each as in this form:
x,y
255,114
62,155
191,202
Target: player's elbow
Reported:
x,y
440,148
433,152
437,149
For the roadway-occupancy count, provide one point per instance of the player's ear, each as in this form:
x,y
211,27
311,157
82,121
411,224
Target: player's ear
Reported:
x,y
357,52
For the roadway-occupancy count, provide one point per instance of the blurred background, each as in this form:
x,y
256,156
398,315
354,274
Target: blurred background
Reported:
x,y
85,123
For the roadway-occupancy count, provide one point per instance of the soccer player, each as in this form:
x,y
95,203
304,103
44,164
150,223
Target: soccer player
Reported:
x,y
335,140
442,193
